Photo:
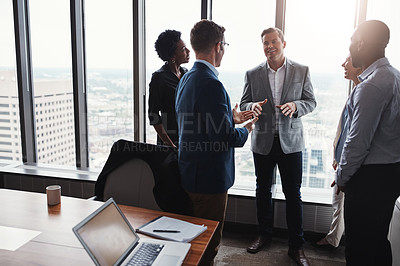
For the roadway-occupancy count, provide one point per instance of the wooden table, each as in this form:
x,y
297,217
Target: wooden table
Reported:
x,y
57,244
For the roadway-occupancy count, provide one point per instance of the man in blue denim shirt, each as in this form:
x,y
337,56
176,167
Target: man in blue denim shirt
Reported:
x,y
369,169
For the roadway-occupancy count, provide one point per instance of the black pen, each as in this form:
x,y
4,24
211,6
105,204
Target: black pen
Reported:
x,y
165,231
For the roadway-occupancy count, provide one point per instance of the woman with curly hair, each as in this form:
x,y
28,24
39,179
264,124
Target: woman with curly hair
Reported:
x,y
172,50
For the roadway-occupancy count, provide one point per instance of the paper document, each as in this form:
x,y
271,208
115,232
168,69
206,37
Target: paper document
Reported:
x,y
172,229
13,238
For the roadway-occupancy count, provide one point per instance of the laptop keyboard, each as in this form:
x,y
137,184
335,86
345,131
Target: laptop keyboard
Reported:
x,y
146,254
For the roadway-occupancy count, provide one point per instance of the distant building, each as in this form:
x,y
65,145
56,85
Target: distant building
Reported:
x,y
10,139
54,114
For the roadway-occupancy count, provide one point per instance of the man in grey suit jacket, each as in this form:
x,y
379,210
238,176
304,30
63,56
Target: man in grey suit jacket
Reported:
x,y
279,91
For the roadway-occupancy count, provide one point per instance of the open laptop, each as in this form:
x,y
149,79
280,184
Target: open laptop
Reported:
x,y
109,239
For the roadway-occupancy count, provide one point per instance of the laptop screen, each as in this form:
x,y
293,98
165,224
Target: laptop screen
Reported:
x,y
106,235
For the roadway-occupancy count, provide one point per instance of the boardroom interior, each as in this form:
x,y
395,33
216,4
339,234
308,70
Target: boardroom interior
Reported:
x,y
74,78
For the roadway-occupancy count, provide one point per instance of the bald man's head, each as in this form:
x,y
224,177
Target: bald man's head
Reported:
x,y
368,42
374,32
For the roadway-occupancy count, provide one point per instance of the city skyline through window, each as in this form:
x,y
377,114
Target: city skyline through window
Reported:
x,y
10,140
52,82
109,57
245,52
317,35
303,38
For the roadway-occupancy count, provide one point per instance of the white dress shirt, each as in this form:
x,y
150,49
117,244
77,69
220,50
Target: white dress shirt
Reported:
x,y
276,80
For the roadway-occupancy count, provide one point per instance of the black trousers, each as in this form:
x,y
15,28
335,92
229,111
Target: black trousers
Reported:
x,y
370,198
291,170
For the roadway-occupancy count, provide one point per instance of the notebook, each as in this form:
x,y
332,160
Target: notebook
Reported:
x,y
162,227
109,239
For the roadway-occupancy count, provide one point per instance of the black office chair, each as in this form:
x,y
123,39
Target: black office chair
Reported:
x,y
131,184
143,175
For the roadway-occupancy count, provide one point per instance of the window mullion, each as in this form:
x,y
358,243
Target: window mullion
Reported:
x,y
79,84
206,9
25,84
139,71
361,12
280,14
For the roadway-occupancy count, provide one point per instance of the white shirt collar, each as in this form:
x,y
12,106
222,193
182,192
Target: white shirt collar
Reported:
x,y
283,66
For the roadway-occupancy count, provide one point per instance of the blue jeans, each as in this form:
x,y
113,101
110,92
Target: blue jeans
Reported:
x,y
291,171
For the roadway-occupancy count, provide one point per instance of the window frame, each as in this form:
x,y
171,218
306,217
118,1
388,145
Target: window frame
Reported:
x,y
25,82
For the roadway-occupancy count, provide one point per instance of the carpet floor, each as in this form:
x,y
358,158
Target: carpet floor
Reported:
x,y
233,252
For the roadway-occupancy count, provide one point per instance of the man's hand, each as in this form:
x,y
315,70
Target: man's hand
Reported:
x,y
257,107
241,117
334,164
288,109
250,124
339,188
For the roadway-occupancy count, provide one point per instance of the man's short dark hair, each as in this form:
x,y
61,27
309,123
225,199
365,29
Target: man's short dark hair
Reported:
x,y
271,30
166,44
205,34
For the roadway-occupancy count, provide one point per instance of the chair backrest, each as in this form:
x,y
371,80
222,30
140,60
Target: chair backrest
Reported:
x,y
131,184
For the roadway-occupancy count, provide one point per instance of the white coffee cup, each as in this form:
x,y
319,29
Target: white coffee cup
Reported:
x,y
53,194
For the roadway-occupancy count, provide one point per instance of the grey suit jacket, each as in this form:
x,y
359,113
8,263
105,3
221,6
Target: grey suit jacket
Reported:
x,y
297,88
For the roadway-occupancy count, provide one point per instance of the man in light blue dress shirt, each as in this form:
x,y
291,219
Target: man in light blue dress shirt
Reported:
x,y
369,169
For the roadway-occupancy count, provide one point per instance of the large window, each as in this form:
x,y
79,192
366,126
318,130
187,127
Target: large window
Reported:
x,y
380,10
109,57
10,139
318,35
243,24
53,98
178,15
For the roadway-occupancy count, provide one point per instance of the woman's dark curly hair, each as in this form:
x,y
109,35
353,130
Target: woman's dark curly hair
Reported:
x,y
166,44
